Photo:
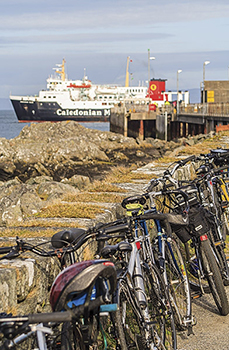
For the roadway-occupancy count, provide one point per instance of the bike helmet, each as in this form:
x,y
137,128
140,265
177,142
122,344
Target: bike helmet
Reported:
x,y
75,282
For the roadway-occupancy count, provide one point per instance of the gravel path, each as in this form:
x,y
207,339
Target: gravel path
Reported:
x,y
211,331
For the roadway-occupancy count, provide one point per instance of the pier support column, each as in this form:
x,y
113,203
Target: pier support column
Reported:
x,y
141,130
209,125
125,126
184,130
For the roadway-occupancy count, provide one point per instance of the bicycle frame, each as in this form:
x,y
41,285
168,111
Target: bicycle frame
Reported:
x,y
40,332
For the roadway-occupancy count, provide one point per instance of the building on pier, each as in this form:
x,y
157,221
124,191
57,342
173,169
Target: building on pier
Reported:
x,y
216,91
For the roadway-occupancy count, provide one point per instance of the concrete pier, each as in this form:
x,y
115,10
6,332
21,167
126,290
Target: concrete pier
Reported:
x,y
136,120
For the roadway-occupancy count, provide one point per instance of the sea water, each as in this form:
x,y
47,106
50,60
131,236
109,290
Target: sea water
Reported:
x,y
10,127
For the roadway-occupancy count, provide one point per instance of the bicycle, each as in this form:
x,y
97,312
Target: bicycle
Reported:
x,y
146,317
65,244
165,252
200,254
141,299
79,296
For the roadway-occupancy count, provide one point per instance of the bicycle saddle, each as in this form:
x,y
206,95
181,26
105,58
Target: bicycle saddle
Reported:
x,y
64,237
133,199
109,250
77,280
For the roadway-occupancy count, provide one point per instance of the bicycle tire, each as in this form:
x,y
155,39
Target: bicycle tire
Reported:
x,y
71,337
177,279
218,249
214,277
129,319
160,309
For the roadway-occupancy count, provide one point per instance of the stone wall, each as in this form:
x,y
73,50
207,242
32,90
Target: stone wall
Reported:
x,y
26,282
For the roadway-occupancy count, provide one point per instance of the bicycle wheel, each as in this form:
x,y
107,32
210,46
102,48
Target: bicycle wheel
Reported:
x,y
214,277
177,279
129,319
198,285
71,337
219,252
159,309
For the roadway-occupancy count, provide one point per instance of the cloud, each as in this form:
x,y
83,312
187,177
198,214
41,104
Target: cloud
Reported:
x,y
85,38
105,15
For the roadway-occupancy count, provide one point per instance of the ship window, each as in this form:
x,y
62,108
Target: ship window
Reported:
x,y
110,97
44,96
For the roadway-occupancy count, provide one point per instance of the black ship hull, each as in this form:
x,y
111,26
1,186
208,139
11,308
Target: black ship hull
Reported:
x,y
34,111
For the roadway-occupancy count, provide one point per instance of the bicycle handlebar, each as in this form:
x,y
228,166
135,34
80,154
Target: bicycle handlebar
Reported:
x,y
57,317
156,216
5,250
115,229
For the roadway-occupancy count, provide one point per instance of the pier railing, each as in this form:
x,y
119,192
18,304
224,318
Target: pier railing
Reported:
x,y
210,109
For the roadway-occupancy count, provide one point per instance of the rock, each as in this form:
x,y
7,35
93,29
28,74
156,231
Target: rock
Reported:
x,y
78,181
140,154
8,290
17,201
38,180
52,190
60,150
65,149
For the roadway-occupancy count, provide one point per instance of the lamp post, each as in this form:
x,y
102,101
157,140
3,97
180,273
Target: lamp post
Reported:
x,y
149,58
178,72
205,63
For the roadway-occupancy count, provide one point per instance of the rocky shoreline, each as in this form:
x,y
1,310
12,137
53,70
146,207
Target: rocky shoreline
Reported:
x,y
48,160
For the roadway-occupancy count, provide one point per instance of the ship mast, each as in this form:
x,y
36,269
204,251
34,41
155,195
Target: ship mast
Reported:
x,y
62,71
127,72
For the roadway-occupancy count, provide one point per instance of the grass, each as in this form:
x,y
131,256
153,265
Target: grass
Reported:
x,y
104,186
93,197
23,233
205,146
125,174
61,210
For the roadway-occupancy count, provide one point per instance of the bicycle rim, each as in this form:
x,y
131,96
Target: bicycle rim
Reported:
x,y
129,321
159,308
198,285
177,279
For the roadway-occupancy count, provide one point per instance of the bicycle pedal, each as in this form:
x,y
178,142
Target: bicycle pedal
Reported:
x,y
190,331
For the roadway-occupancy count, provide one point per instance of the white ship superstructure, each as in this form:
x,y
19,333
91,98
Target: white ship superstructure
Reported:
x,y
79,100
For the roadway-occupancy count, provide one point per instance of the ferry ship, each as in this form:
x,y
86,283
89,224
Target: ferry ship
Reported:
x,y
78,100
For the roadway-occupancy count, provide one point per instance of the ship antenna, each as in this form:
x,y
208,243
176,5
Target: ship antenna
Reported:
x,y
127,72
62,71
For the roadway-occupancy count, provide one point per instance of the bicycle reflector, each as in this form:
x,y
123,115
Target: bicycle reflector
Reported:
x,y
204,238
73,284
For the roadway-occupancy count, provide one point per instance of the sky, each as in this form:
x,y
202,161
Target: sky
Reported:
x,y
97,36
